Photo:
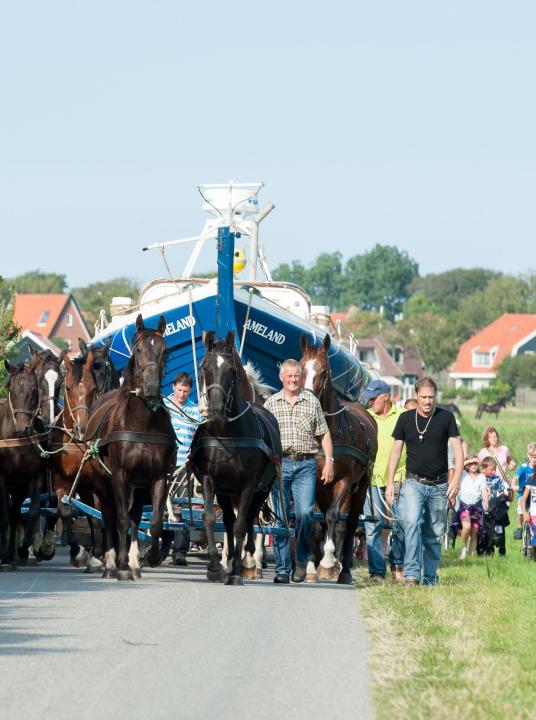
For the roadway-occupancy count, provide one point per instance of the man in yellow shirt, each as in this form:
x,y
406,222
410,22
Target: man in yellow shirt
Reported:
x,y
386,413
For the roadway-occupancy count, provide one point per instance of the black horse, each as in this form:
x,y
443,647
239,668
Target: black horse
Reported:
x,y
21,465
235,456
486,408
105,375
137,445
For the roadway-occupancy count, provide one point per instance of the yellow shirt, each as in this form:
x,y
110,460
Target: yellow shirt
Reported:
x,y
386,425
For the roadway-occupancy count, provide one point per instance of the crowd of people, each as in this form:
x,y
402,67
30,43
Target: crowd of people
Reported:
x,y
423,484
430,486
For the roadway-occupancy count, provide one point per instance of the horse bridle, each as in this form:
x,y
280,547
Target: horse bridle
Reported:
x,y
22,411
155,403
227,394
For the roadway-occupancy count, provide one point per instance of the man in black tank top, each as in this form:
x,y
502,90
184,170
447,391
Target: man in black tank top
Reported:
x,y
426,491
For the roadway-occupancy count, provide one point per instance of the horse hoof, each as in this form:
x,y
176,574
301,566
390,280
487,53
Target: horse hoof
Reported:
x,y
23,553
258,574
7,567
94,565
249,573
137,573
42,556
27,562
345,578
234,580
80,559
215,575
327,574
311,578
153,559
110,573
125,575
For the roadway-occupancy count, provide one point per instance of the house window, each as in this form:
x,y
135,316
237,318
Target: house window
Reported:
x,y
367,356
69,320
43,318
397,354
483,359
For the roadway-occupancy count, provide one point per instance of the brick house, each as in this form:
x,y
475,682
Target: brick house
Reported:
x,y
50,316
479,357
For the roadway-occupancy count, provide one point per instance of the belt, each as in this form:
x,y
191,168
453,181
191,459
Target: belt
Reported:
x,y
425,480
299,457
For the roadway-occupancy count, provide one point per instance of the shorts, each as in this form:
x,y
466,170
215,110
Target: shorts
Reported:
x,y
466,515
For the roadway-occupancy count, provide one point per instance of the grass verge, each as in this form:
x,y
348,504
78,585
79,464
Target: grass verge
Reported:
x,y
466,647
462,649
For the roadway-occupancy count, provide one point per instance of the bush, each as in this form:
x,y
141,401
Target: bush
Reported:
x,y
496,390
449,393
466,393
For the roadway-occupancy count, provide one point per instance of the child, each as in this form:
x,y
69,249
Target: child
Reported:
x,y
473,497
496,519
524,472
528,505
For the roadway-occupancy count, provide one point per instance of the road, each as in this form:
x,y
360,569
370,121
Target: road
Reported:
x,y
173,645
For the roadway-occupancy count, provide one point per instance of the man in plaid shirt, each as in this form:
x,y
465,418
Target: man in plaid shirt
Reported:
x,y
303,428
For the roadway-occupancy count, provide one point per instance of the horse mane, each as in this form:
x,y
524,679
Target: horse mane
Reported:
x,y
254,377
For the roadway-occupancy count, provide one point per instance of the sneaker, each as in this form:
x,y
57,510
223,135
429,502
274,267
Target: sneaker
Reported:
x,y
463,553
518,534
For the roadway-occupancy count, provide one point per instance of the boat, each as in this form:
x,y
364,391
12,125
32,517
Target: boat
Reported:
x,y
267,316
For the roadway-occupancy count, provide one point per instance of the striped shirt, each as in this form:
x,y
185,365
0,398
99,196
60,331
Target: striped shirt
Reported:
x,y
299,423
184,428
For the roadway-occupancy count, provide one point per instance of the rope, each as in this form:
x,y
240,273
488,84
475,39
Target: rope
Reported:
x,y
194,352
244,330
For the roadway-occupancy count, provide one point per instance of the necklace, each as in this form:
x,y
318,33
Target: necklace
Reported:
x,y
419,431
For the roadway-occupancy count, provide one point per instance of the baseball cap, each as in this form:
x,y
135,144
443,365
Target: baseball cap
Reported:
x,y
375,388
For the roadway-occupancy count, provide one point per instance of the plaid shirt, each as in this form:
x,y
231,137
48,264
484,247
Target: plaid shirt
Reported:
x,y
299,423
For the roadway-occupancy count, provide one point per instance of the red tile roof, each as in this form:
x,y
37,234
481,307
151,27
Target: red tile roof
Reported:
x,y
502,334
30,309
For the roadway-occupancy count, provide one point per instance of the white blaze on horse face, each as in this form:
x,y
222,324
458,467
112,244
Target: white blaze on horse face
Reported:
x,y
51,376
219,361
309,372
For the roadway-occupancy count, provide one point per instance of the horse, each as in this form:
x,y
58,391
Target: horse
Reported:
x,y
21,465
104,373
235,456
354,435
68,457
451,407
47,367
487,408
132,431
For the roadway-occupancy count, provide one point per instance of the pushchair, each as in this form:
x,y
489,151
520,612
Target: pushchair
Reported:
x,y
495,521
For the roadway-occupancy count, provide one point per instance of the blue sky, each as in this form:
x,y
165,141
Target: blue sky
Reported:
x,y
402,123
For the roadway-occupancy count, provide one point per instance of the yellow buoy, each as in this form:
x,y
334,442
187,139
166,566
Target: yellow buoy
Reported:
x,y
239,260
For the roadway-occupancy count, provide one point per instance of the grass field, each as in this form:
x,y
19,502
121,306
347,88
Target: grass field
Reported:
x,y
465,648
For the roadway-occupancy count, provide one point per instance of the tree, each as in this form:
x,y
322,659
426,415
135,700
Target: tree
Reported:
x,y
99,295
432,335
324,280
38,282
363,323
378,279
506,294
446,289
9,332
496,390
296,273
519,371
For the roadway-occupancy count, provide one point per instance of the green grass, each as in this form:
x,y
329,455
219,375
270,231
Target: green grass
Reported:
x,y
465,648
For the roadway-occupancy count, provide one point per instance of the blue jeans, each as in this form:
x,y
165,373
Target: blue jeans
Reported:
x,y
299,481
375,554
423,513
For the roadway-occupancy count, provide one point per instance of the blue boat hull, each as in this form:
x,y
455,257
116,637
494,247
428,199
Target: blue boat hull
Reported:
x,y
272,336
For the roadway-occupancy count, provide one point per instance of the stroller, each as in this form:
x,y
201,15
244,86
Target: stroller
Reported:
x,y
495,521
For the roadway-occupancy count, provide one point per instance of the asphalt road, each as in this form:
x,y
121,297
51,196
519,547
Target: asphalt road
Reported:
x,y
172,645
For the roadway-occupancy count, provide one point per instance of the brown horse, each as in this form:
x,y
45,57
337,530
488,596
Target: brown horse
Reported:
x,y
68,455
487,408
133,431
21,465
104,373
354,435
